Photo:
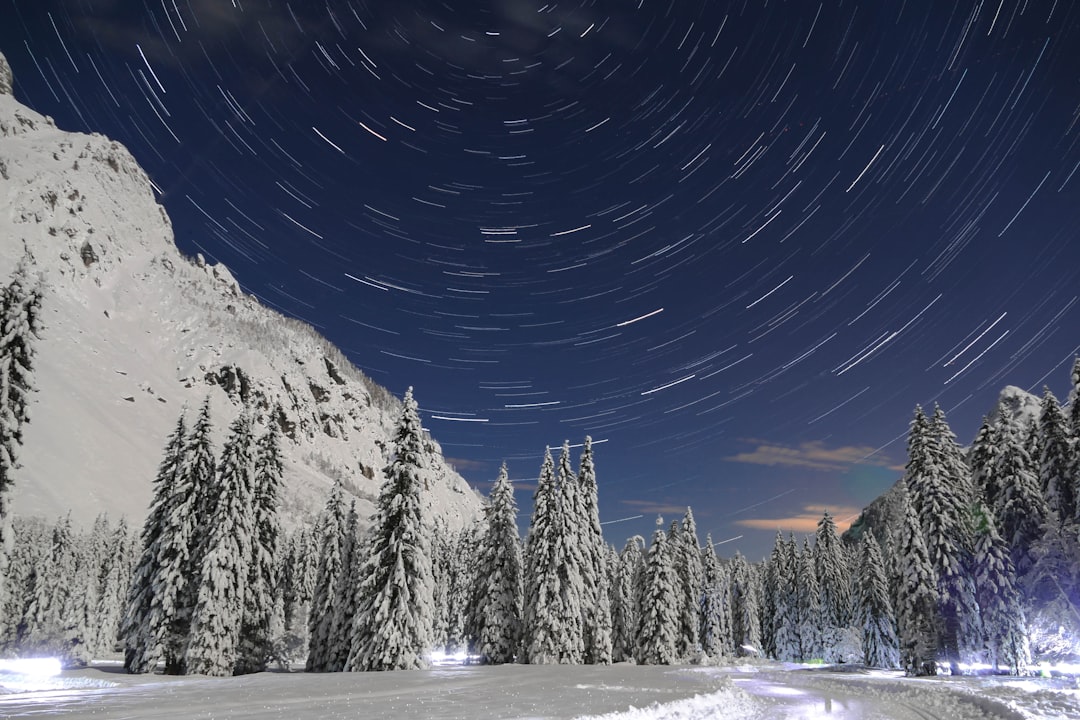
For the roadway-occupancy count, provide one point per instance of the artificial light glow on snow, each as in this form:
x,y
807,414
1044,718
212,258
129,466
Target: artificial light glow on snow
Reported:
x,y
32,667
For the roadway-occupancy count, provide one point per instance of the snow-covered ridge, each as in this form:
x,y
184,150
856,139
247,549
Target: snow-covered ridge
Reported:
x,y
135,332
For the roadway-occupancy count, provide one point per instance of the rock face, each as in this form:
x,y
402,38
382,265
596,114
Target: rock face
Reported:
x,y
135,333
6,80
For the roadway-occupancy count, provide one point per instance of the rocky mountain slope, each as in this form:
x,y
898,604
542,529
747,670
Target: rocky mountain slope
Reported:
x,y
135,333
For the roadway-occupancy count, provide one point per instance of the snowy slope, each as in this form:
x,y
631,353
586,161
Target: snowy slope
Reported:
x,y
135,332
884,512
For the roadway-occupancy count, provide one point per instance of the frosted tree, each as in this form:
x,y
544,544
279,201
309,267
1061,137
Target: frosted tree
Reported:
x,y
215,640
548,621
200,477
499,576
393,625
625,598
982,459
999,602
1055,461
688,555
810,614
20,325
658,625
715,633
344,590
785,619
151,604
938,488
917,617
331,534
873,610
833,576
1021,513
256,641
745,608
596,605
114,578
570,535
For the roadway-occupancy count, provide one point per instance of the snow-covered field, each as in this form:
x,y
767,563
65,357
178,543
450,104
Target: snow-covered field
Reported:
x,y
758,692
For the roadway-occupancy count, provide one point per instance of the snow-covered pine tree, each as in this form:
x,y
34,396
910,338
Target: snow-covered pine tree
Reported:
x,y
833,576
571,534
596,607
216,623
393,625
938,484
658,625
114,577
330,533
1002,614
1022,512
20,325
547,626
810,613
745,608
1055,461
256,642
200,475
345,591
982,459
499,576
770,587
715,612
689,568
785,618
145,625
459,556
625,598
917,618
874,612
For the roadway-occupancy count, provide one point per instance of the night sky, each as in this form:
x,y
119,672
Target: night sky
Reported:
x,y
734,242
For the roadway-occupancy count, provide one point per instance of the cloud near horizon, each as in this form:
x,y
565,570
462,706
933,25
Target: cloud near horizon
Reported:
x,y
813,455
807,520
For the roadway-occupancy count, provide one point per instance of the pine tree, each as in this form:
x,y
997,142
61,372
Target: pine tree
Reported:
x,y
917,599
745,608
624,598
596,606
499,576
715,633
216,623
256,641
551,625
833,576
199,474
393,625
688,566
570,535
1002,613
938,484
785,619
1055,461
331,534
114,577
1021,513
810,613
982,459
345,591
148,615
658,625
20,326
873,610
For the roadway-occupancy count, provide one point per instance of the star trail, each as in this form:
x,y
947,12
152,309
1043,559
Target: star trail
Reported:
x,y
736,242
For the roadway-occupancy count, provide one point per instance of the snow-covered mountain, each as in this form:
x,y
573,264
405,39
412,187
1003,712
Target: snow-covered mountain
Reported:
x,y
134,332
883,513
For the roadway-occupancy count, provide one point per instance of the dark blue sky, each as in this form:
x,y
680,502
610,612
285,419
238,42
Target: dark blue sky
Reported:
x,y
736,242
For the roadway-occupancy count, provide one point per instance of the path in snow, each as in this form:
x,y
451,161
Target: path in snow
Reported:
x,y
620,692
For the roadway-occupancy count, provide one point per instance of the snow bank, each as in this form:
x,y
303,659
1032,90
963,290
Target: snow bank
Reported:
x,y
728,702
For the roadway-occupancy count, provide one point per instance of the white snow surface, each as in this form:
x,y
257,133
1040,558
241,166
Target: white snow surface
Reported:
x,y
134,332
765,691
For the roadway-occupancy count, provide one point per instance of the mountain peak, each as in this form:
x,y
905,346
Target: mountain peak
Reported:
x,y
135,332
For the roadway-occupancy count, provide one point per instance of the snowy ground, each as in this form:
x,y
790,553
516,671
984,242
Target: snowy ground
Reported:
x,y
760,692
